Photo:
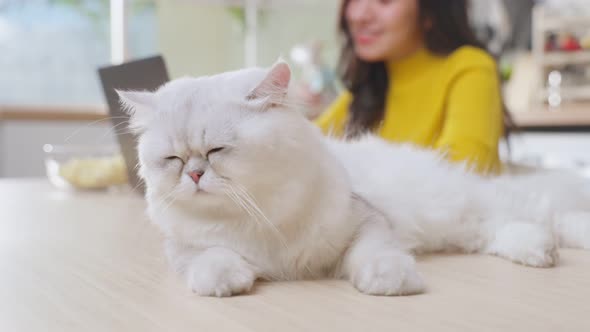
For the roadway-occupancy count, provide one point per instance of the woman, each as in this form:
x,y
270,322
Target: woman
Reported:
x,y
415,73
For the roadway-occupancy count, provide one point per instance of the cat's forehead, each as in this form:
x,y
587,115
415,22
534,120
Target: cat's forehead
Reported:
x,y
197,109
211,89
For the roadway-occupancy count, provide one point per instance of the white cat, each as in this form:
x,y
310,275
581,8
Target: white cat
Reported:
x,y
244,187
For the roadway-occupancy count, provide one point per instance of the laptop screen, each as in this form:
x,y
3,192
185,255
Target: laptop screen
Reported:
x,y
143,74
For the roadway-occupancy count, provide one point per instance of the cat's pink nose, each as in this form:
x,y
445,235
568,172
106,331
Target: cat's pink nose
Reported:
x,y
195,175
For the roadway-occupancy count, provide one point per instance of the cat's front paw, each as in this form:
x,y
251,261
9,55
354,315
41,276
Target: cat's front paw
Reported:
x,y
208,276
389,273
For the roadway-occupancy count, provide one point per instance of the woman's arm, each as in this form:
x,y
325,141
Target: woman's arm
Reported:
x,y
473,122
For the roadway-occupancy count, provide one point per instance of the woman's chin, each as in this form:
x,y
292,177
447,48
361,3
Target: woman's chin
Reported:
x,y
369,54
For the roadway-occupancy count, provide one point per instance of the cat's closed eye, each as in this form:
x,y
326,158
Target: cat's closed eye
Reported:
x,y
214,150
173,158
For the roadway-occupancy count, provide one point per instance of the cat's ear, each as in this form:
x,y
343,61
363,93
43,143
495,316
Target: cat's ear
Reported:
x,y
273,89
140,105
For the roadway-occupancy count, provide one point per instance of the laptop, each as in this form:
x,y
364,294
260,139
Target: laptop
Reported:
x,y
142,74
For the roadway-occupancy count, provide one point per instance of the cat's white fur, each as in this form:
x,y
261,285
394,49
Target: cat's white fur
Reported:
x,y
280,201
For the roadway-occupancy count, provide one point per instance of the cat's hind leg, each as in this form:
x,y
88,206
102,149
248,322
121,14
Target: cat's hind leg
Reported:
x,y
573,230
525,243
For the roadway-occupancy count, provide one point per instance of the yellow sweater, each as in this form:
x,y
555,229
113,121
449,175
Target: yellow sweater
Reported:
x,y
448,103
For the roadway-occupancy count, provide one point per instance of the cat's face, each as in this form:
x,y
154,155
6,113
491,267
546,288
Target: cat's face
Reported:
x,y
212,140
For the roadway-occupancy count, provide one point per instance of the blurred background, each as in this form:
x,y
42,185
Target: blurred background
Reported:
x,y
50,51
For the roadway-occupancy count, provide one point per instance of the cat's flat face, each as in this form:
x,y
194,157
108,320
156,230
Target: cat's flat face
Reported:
x,y
215,139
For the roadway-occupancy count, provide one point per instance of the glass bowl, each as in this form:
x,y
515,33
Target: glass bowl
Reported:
x,y
85,167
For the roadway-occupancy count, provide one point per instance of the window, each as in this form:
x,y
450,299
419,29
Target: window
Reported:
x,y
51,49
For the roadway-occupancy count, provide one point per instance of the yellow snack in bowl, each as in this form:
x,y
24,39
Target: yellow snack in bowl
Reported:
x,y
94,173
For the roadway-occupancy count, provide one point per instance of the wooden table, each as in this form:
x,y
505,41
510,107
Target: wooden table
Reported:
x,y
91,262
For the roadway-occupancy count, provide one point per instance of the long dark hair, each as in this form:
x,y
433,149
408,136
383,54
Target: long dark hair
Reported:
x,y
449,29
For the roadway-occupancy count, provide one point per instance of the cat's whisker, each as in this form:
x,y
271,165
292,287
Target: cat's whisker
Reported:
x,y
123,132
253,204
229,193
174,198
114,130
252,201
75,132
126,122
116,127
163,199
239,201
139,183
160,203
247,202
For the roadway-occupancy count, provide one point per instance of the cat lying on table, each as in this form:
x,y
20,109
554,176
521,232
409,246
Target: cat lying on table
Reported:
x,y
245,188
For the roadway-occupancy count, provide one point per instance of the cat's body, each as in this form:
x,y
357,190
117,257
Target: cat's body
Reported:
x,y
244,188
439,206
